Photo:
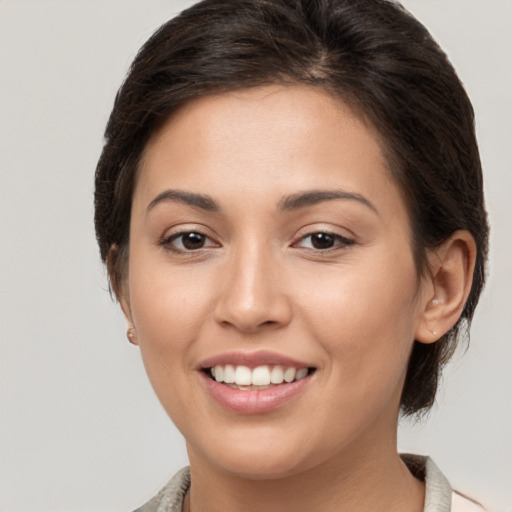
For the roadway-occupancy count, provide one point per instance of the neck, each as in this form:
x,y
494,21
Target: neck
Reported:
x,y
359,484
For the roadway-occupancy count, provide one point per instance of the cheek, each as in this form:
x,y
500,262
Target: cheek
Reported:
x,y
167,302
365,322
169,306
168,312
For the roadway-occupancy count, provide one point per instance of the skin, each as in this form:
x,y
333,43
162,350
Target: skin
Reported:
x,y
352,311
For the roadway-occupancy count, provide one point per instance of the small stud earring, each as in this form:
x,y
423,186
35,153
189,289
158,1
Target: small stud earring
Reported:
x,y
130,334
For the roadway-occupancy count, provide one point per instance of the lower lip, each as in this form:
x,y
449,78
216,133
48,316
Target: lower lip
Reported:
x,y
254,401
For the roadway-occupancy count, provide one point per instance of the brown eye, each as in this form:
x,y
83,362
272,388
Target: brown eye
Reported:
x,y
193,241
188,241
322,241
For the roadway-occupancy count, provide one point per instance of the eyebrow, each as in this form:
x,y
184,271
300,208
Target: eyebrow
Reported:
x,y
312,197
287,203
201,201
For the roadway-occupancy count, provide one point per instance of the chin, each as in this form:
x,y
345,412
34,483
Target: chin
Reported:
x,y
262,467
257,455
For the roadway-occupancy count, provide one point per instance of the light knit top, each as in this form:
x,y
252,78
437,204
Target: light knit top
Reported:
x,y
439,496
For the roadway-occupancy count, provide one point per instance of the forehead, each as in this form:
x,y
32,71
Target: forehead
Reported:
x,y
270,138
262,113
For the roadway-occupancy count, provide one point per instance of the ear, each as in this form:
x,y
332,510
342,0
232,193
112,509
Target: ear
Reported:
x,y
448,286
117,270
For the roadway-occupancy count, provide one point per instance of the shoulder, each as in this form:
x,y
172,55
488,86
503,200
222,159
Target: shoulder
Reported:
x,y
461,503
171,496
439,495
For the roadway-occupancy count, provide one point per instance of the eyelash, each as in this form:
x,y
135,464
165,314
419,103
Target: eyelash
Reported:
x,y
339,242
167,242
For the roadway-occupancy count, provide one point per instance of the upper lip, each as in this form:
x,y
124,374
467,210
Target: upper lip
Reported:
x,y
253,359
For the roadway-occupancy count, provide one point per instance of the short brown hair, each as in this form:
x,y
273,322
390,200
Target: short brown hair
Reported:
x,y
373,55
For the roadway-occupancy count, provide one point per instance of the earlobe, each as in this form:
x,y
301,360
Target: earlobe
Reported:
x,y
117,268
451,275
131,334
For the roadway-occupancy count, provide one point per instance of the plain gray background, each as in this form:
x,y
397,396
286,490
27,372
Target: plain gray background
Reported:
x,y
81,429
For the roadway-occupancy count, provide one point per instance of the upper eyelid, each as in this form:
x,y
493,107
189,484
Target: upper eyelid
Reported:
x,y
178,234
183,228
326,232
334,231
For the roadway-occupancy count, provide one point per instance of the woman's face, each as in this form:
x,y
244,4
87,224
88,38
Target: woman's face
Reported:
x,y
268,240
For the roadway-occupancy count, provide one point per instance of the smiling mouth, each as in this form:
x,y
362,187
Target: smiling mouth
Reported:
x,y
262,377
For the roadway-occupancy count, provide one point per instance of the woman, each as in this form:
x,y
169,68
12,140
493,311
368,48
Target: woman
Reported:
x,y
290,206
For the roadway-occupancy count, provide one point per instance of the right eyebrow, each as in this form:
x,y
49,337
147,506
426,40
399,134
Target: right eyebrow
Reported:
x,y
202,201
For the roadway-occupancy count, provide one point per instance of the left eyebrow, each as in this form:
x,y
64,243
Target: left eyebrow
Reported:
x,y
312,197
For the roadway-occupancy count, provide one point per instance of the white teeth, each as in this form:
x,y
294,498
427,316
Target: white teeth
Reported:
x,y
243,376
260,376
277,375
301,373
219,373
289,374
229,374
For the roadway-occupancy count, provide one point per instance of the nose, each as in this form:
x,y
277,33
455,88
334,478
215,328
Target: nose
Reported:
x,y
253,293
